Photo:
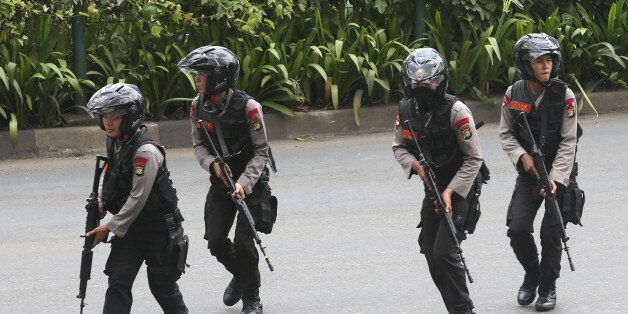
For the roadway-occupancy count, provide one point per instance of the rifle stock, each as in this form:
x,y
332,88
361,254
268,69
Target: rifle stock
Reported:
x,y
439,200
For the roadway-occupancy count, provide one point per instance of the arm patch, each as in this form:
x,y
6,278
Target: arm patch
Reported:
x,y
139,163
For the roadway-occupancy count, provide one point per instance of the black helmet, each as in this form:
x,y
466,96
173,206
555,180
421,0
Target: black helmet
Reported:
x,y
219,63
426,65
119,99
532,46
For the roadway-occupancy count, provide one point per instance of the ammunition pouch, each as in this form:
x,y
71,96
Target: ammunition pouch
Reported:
x,y
468,218
263,205
572,200
178,242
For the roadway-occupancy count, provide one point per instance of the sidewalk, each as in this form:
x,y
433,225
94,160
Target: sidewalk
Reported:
x,y
82,140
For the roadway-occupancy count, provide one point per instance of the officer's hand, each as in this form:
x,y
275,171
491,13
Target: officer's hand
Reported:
x,y
447,199
553,185
101,209
528,165
416,166
239,192
219,173
100,234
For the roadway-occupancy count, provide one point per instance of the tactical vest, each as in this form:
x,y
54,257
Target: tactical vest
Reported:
x,y
234,129
545,120
437,138
118,179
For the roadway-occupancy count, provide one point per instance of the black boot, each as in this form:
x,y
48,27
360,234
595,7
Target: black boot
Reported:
x,y
251,303
527,291
546,301
233,293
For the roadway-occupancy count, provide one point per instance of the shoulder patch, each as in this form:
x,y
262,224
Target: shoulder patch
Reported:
x,y
139,163
255,121
463,127
520,106
570,110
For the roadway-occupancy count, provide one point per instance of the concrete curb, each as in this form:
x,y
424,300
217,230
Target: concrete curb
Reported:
x,y
176,134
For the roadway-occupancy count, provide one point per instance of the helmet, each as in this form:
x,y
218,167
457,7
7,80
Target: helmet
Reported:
x,y
119,99
426,65
532,46
219,63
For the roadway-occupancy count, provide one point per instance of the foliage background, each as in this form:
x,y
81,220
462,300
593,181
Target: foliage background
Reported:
x,y
295,54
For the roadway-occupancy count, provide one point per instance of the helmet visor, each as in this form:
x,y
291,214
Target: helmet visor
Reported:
x,y
429,71
109,103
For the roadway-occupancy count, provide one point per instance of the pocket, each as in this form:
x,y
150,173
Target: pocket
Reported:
x,y
264,209
572,204
182,254
512,202
580,198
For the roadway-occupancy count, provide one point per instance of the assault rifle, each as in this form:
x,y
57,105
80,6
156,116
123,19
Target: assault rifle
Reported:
x,y
241,205
92,221
550,196
438,199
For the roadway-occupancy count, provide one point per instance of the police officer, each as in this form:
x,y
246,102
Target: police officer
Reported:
x,y
446,131
235,122
137,190
550,109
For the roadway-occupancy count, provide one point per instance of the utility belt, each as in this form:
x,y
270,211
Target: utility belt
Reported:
x,y
178,242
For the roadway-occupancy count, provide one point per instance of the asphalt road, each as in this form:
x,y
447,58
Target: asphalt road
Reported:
x,y
345,240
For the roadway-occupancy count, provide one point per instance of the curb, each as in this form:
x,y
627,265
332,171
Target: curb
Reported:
x,y
80,140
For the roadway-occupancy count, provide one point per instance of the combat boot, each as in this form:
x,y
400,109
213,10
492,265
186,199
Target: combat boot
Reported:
x,y
233,293
546,301
251,303
527,291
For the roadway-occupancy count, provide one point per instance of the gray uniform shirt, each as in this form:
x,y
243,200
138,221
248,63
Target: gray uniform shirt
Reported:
x,y
462,124
151,158
257,133
561,167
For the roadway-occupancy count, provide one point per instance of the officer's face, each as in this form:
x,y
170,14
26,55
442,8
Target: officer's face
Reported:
x,y
201,82
112,125
542,68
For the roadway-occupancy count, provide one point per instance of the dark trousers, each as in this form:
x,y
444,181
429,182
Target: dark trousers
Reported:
x,y
126,257
522,211
239,257
444,263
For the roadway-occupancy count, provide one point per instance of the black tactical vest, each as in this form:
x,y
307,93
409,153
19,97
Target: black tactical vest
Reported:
x,y
117,182
234,129
545,121
437,138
